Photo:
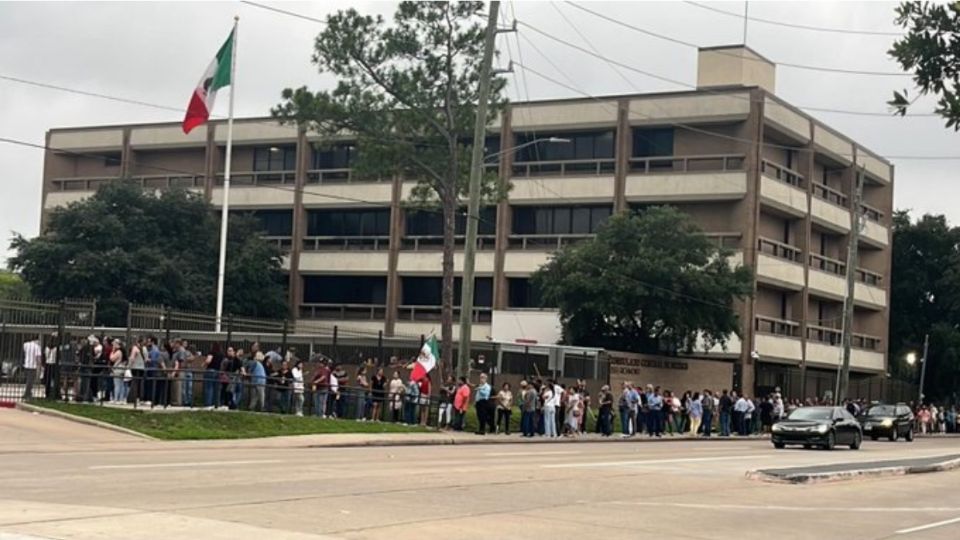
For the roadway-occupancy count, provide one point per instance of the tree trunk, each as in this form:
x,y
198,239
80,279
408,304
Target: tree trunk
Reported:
x,y
449,203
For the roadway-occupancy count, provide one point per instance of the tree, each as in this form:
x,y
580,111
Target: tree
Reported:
x,y
925,298
12,286
407,92
649,282
931,50
127,245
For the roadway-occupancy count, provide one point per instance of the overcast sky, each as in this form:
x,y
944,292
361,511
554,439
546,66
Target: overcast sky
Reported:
x,y
154,52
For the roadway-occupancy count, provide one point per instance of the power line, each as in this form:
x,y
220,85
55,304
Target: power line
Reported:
x,y
795,25
696,46
284,12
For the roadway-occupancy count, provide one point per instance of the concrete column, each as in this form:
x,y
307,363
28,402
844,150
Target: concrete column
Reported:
x,y
622,151
504,214
212,162
393,257
754,155
299,224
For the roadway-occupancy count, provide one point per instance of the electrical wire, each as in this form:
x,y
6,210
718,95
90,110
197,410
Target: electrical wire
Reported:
x,y
795,25
695,46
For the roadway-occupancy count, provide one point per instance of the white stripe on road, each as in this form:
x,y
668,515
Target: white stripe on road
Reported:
x,y
762,507
182,464
511,454
648,462
929,526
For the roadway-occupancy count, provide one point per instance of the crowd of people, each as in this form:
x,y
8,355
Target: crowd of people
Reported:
x,y
154,373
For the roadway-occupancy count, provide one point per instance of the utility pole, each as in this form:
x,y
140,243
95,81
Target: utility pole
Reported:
x,y
856,222
923,367
473,205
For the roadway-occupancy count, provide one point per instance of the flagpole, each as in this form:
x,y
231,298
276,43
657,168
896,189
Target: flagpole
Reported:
x,y
225,211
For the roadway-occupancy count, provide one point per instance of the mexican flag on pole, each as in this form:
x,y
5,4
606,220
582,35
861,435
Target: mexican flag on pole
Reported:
x,y
216,77
426,361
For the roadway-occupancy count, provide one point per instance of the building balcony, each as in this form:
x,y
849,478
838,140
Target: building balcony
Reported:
x,y
686,178
874,232
435,242
782,188
825,348
563,182
367,261
570,167
283,243
345,243
432,313
258,178
544,242
161,181
830,208
827,278
777,339
343,312
779,264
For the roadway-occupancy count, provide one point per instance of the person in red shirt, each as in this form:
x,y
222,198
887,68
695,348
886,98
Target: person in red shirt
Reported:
x,y
424,399
461,400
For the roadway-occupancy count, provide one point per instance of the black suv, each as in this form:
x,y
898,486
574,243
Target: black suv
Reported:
x,y
890,421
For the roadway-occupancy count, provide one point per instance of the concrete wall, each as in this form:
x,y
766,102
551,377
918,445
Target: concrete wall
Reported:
x,y
677,374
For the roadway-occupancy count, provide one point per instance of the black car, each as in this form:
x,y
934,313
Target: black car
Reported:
x,y
818,426
890,421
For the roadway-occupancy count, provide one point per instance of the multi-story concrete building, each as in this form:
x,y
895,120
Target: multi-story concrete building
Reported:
x,y
760,176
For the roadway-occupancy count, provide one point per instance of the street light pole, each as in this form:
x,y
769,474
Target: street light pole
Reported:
x,y
923,367
473,204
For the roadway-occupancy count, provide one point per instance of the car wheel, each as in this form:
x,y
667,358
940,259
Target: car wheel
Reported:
x,y
909,436
831,441
857,441
894,435
779,445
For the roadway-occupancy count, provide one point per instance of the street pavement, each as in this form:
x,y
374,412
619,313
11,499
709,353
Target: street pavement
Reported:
x,y
59,479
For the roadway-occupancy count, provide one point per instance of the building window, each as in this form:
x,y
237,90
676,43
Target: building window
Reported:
x,y
430,222
559,219
652,142
582,145
272,222
333,157
428,291
522,293
345,290
366,222
275,158
112,159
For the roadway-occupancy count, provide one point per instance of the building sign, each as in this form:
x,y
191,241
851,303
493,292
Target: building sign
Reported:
x,y
677,374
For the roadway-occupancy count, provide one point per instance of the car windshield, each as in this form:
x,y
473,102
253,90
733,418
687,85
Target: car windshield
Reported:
x,y
882,410
811,413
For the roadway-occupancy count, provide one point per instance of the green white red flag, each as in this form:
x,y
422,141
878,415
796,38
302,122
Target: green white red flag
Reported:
x,y
426,361
216,76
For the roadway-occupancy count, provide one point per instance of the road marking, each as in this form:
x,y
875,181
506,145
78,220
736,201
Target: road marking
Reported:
x,y
511,454
648,462
929,526
179,465
868,509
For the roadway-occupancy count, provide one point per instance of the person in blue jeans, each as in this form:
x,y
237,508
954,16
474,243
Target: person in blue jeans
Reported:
x,y
211,376
725,406
708,407
655,417
528,410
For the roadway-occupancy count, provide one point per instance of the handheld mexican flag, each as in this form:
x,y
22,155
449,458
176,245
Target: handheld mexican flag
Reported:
x,y
217,75
426,361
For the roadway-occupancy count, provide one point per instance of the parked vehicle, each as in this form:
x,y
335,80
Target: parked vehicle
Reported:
x,y
825,427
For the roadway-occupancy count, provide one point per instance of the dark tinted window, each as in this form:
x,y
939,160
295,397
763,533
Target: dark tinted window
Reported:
x,y
650,142
522,293
275,158
811,413
365,222
345,289
274,222
582,145
427,291
559,219
882,410
333,157
430,222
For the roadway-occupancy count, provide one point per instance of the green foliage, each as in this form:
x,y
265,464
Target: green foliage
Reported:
x,y
931,51
649,282
124,244
13,286
407,95
925,298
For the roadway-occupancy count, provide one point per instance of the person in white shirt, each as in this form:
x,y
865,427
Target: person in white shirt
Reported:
x,y
297,374
550,402
32,356
334,391
50,377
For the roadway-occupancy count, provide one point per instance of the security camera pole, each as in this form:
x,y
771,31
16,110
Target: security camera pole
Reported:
x,y
473,204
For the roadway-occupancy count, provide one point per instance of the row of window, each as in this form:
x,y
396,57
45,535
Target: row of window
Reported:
x,y
376,221
600,144
414,291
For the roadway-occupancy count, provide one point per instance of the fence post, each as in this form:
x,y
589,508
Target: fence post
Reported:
x,y
165,320
336,353
283,343
229,331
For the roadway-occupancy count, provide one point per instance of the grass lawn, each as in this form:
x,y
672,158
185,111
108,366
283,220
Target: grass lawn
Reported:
x,y
189,425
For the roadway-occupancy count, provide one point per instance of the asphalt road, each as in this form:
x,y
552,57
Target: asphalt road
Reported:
x,y
62,480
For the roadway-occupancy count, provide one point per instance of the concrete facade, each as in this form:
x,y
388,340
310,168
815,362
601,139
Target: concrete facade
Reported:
x,y
762,178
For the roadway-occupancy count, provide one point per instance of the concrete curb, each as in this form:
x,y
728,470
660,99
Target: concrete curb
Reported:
x,y
496,441
82,420
839,476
